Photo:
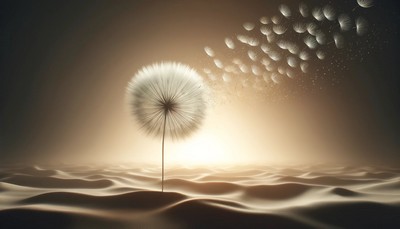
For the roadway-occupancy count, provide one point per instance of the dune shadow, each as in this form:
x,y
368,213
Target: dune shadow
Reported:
x,y
140,200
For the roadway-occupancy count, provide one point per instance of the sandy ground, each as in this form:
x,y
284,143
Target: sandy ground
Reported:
x,y
118,196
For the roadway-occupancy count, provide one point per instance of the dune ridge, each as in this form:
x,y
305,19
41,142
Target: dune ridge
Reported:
x,y
259,197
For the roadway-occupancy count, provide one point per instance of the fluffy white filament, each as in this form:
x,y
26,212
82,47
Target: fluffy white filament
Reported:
x,y
168,92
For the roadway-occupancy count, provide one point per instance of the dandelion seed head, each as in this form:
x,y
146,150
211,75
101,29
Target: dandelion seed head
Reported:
x,y
168,93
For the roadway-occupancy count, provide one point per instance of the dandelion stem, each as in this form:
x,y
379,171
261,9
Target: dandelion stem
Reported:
x,y
163,136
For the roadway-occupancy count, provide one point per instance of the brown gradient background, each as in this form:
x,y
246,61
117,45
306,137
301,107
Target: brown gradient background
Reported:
x,y
65,67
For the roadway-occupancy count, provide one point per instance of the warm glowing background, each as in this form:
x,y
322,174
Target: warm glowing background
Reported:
x,y
65,67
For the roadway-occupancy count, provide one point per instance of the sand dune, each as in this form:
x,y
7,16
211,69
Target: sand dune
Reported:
x,y
241,197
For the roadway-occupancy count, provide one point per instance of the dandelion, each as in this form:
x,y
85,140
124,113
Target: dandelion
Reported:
x,y
168,99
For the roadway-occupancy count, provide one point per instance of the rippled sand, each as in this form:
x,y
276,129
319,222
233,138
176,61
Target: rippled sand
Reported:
x,y
245,197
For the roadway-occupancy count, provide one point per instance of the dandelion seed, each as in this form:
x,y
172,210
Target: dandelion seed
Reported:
x,y
293,48
270,68
265,30
229,43
275,56
243,68
265,48
242,38
304,55
252,55
248,26
311,42
237,61
320,37
256,70
264,61
344,22
339,40
312,28
253,41
209,51
304,67
361,26
303,9
318,14
218,63
281,70
320,54
230,68
365,3
264,20
279,29
290,73
271,38
226,78
329,12
276,78
285,10
282,44
292,61
276,19
299,27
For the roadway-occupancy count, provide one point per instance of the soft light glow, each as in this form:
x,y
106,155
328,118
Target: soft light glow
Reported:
x,y
202,149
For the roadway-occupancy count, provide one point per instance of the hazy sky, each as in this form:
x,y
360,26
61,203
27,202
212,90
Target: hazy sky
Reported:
x,y
65,66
